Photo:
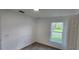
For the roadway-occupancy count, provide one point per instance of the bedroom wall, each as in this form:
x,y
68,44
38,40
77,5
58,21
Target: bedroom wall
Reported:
x,y
0,33
43,31
16,30
70,31
19,30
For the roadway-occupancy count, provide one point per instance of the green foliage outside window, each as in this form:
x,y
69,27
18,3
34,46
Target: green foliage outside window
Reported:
x,y
56,31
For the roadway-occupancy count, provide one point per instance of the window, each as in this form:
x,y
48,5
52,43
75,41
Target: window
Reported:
x,y
57,32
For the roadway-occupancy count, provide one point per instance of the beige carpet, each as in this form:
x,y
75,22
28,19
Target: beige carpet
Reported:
x,y
38,46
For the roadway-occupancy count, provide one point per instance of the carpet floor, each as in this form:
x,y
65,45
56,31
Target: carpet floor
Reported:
x,y
38,46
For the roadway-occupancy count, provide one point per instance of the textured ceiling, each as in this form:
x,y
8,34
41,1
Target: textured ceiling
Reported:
x,y
49,12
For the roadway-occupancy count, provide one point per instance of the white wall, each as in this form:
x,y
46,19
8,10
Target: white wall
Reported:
x,y
0,33
16,30
78,38
43,31
70,31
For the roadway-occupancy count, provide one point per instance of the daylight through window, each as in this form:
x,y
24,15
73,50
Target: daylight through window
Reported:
x,y
57,31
